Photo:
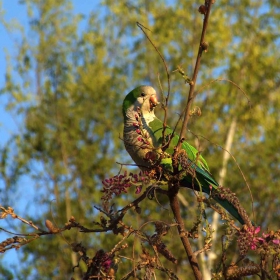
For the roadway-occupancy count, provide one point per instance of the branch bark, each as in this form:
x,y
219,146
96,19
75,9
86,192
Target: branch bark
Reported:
x,y
175,206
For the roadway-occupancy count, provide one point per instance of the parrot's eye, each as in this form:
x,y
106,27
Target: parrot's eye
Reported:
x,y
143,94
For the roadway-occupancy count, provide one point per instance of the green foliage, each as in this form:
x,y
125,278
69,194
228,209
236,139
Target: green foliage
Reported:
x,y
67,82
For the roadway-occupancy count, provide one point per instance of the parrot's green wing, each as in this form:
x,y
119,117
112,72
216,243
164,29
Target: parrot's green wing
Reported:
x,y
198,177
157,127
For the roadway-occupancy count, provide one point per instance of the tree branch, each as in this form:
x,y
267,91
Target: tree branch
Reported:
x,y
175,206
202,47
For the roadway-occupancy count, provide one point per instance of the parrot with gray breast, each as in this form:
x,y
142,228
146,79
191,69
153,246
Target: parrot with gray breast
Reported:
x,y
143,140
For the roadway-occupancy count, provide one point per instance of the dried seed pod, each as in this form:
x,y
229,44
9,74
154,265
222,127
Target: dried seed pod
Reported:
x,y
51,227
202,9
205,46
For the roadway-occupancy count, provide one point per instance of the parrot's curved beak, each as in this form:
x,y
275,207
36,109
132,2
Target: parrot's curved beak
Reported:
x,y
153,102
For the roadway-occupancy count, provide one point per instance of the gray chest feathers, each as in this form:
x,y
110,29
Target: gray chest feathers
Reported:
x,y
138,141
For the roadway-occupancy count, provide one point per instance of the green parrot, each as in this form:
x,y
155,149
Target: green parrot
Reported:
x,y
143,139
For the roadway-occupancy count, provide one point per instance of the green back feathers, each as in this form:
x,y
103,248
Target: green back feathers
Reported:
x,y
192,153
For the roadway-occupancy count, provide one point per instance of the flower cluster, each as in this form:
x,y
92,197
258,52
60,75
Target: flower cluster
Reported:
x,y
13,242
120,183
226,194
102,260
250,238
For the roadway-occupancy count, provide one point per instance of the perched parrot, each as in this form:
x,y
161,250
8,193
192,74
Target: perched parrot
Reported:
x,y
143,140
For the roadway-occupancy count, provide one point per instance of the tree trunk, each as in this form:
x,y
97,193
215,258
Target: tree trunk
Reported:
x,y
207,266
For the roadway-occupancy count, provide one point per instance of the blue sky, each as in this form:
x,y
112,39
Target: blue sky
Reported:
x,y
11,10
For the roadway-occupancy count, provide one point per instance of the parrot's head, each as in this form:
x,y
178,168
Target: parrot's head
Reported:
x,y
141,98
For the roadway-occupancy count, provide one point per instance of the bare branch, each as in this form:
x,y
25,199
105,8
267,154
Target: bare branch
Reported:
x,y
202,48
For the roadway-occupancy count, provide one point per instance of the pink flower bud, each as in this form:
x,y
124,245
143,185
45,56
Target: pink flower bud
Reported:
x,y
138,190
257,230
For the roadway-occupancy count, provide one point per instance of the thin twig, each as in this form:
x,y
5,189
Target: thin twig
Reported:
x,y
10,211
161,57
234,159
194,77
168,79
229,81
